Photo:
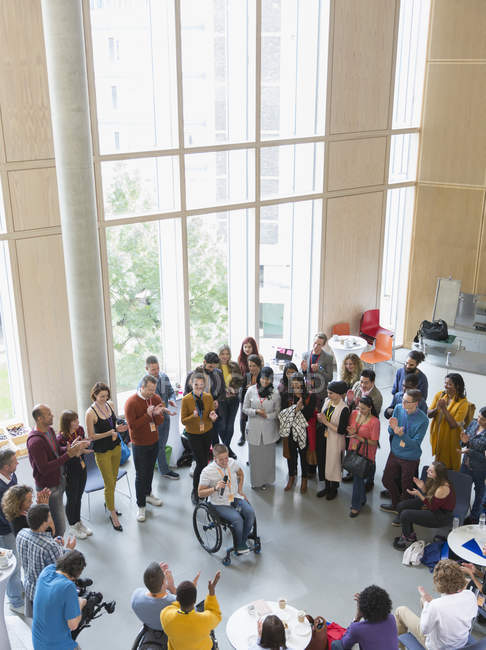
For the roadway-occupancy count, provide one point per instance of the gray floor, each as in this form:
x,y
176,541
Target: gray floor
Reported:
x,y
313,554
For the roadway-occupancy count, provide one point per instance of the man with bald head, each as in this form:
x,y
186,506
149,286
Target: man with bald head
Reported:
x,y
47,458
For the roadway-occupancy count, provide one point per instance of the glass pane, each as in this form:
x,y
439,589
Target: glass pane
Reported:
x,y
141,186
292,169
135,75
143,258
3,225
294,67
410,65
403,158
396,254
218,70
220,177
221,280
290,243
6,406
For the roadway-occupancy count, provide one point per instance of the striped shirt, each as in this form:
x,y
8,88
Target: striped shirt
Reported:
x,y
36,551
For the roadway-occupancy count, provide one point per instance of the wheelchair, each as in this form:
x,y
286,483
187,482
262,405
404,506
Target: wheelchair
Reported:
x,y
208,527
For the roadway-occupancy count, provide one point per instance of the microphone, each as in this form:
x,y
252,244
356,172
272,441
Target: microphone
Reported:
x,y
225,479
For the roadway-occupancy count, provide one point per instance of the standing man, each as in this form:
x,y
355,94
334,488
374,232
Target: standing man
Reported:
x,y
144,412
407,429
166,393
47,458
316,367
214,384
8,465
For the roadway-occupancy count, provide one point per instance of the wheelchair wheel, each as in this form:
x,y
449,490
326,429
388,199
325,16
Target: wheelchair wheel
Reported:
x,y
207,528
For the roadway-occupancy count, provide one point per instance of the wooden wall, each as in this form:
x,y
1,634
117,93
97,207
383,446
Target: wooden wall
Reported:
x,y
449,225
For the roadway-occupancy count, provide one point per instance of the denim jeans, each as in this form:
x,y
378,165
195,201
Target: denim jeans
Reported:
x,y
241,516
163,430
337,645
14,584
358,498
144,457
478,478
56,506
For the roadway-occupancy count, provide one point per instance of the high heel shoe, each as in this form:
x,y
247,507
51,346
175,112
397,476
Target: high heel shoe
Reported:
x,y
303,486
118,514
290,484
119,528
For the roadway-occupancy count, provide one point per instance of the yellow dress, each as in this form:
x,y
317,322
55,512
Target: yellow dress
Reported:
x,y
444,439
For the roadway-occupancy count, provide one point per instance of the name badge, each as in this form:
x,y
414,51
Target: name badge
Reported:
x,y
201,427
402,444
152,426
231,498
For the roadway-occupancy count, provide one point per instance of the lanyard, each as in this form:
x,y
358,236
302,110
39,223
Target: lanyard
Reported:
x,y
228,484
329,411
198,408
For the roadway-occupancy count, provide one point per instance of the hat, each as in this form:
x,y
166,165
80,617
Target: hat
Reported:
x,y
339,387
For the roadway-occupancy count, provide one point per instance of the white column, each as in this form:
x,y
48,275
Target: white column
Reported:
x,y
68,91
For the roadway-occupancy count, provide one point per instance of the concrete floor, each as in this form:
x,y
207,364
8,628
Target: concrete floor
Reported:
x,y
313,554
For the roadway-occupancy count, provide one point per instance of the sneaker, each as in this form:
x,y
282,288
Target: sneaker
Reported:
x,y
77,531
241,550
19,609
141,514
153,500
389,507
396,521
87,530
402,542
174,476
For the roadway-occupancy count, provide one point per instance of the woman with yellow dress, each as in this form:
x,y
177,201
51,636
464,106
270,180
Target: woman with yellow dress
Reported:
x,y
448,411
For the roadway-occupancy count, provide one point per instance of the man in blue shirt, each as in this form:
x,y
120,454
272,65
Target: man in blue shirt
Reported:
x,y
158,594
57,606
408,426
166,393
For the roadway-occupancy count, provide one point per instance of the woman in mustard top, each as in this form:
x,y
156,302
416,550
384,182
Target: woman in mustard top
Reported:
x,y
228,408
448,411
197,416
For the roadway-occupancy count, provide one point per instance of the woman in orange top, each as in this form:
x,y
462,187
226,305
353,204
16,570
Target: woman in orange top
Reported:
x,y
198,415
448,411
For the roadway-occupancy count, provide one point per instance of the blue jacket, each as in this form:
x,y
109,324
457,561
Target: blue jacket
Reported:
x,y
397,399
475,458
415,428
163,389
423,384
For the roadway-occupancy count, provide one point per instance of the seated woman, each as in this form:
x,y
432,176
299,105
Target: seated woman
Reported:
x,y
271,631
16,502
222,483
473,443
432,506
377,630
364,427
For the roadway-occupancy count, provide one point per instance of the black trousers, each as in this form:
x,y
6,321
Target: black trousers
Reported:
x,y
200,444
227,413
144,457
75,481
411,512
292,461
243,421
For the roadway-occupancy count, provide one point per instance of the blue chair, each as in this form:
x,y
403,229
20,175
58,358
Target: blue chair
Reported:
x,y
411,643
94,480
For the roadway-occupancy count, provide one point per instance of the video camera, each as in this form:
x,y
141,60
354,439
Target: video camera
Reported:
x,y
94,605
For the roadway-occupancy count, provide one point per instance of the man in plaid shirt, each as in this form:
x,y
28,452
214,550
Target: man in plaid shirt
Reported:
x,y
37,549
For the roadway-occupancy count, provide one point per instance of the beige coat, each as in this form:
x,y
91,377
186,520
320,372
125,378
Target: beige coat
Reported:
x,y
335,445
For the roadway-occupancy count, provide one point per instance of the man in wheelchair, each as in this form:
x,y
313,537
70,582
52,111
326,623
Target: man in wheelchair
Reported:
x,y
221,482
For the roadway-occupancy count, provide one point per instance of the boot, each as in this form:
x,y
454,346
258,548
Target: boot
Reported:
x,y
290,483
241,441
303,486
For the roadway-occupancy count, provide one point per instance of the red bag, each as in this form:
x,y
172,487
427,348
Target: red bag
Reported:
x,y
334,632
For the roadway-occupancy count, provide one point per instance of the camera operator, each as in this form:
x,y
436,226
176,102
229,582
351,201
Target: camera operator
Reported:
x,y
57,607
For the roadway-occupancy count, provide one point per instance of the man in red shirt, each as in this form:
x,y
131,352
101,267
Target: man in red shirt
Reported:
x,y
144,413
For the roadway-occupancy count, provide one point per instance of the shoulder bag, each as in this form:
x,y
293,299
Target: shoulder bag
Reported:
x,y
356,464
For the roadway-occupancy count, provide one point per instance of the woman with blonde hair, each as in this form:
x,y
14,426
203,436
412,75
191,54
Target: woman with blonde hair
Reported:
x,y
351,369
16,502
228,408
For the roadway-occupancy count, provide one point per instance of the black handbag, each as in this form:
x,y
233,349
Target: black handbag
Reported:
x,y
435,330
358,465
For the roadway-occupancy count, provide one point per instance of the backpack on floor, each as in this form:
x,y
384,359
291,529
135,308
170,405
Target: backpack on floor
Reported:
x,y
414,553
432,554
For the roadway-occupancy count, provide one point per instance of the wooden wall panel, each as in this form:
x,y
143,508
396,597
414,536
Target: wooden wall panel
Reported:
x,y
356,163
446,240
34,198
458,30
352,258
24,94
361,69
45,309
454,137
481,276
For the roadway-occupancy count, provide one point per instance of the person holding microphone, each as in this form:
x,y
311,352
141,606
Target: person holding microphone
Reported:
x,y
198,415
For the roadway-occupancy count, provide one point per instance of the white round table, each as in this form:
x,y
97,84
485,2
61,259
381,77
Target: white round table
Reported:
x,y
459,536
343,345
4,578
242,626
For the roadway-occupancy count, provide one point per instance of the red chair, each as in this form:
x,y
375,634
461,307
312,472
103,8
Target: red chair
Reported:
x,y
370,327
341,329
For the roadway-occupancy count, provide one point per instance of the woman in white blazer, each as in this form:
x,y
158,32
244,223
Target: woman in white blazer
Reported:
x,y
262,406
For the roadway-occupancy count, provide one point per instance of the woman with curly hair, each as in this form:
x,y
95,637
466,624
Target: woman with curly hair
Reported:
x,y
374,626
445,622
448,412
16,502
351,369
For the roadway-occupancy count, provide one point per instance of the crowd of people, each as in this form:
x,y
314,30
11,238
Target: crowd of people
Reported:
x,y
326,426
